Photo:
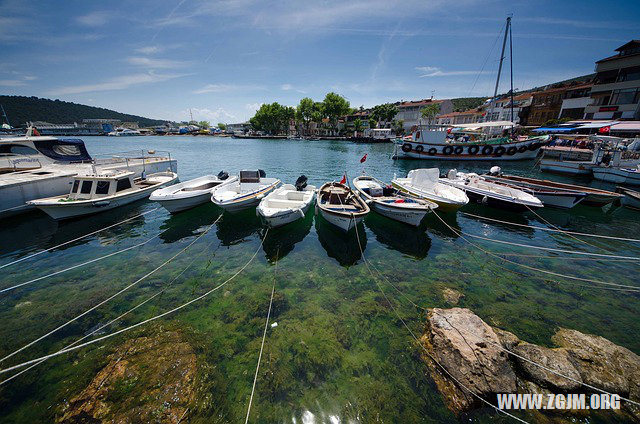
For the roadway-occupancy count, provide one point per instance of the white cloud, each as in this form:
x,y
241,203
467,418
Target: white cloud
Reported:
x,y
157,63
431,71
118,83
149,49
213,88
252,107
12,83
213,116
30,77
286,87
94,19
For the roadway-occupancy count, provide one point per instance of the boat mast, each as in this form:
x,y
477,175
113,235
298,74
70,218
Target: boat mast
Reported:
x,y
511,64
4,114
504,44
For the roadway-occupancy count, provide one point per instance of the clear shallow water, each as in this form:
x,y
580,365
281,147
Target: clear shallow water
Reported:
x,y
339,351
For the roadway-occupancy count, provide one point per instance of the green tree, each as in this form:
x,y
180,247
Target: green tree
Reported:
x,y
373,123
272,118
334,106
222,126
430,112
384,113
357,124
304,112
204,124
398,127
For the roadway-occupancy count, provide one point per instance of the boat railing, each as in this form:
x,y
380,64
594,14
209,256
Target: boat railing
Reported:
x,y
15,158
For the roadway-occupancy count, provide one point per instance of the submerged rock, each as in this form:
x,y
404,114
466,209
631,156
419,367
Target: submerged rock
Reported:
x,y
553,359
468,349
451,296
148,379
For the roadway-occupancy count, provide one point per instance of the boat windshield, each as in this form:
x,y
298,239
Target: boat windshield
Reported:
x,y
63,150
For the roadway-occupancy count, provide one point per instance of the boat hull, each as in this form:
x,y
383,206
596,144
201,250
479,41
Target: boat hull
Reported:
x,y
408,216
494,202
344,222
179,205
631,198
557,200
566,167
444,205
615,175
522,150
245,201
285,217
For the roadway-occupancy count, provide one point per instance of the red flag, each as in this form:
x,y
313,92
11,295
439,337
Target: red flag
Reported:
x,y
604,130
344,179
363,158
35,132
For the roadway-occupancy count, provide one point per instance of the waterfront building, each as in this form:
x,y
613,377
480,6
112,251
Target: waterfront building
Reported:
x,y
575,101
410,112
500,110
242,127
547,104
616,90
456,118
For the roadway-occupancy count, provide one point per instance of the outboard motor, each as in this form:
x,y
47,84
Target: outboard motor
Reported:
x,y
301,183
262,173
495,171
222,175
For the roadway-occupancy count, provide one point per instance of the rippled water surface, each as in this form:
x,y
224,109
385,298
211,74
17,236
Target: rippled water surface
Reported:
x,y
339,352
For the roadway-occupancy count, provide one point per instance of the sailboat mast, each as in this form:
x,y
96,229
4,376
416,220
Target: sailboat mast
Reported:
x,y
504,45
511,63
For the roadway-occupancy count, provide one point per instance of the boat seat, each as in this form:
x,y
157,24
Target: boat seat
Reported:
x,y
296,195
201,187
249,177
281,203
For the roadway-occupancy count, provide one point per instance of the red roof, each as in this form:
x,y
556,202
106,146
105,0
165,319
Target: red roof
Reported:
x,y
423,102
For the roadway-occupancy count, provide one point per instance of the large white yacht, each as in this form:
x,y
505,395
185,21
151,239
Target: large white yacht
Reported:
x,y
33,167
124,132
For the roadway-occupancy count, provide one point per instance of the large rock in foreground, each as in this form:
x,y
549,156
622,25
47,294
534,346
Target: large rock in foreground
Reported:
x,y
556,360
148,379
469,350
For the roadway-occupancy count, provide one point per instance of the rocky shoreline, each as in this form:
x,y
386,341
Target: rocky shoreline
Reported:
x,y
488,360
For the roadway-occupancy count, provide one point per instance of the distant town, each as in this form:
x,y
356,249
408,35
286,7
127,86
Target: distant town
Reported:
x,y
604,98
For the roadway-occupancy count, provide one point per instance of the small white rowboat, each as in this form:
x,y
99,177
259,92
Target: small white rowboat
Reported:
x,y
287,203
189,194
244,193
340,206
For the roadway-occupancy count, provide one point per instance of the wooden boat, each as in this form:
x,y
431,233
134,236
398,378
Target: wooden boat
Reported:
x,y
340,206
549,196
594,196
391,202
287,203
425,183
497,195
189,194
246,192
101,192
631,198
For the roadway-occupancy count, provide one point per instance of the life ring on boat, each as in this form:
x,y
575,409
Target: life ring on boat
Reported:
x,y
447,150
417,135
499,151
432,151
406,147
522,149
473,150
419,148
533,146
458,150
487,150
512,150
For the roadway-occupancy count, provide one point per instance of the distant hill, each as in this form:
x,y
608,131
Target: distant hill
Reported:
x,y
21,109
465,103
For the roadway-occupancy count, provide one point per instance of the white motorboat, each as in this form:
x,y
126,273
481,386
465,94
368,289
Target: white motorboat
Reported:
x,y
189,194
543,190
391,202
101,192
287,203
245,192
631,198
426,183
340,206
124,132
497,195
617,175
33,167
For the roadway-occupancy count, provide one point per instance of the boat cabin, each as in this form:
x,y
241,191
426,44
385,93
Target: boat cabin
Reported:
x,y
87,187
252,176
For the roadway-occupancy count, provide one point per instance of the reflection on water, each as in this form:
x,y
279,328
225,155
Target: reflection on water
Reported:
x,y
280,241
343,247
189,223
395,235
235,227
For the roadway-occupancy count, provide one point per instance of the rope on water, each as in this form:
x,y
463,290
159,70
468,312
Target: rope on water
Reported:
x,y
131,327
264,335
535,227
552,249
423,348
118,318
112,296
560,230
571,277
76,239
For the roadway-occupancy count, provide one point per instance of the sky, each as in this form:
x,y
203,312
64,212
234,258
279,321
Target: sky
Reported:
x,y
221,59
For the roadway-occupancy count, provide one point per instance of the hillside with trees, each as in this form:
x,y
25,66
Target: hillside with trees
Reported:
x,y
465,103
21,109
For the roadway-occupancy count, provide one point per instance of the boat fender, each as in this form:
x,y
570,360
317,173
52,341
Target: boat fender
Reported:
x,y
447,150
419,149
495,170
473,150
458,150
487,150
101,203
260,196
262,173
484,200
417,135
222,175
499,151
406,147
432,151
533,146
301,213
522,149
512,150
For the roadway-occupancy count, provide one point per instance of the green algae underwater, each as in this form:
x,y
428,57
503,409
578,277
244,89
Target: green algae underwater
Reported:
x,y
339,353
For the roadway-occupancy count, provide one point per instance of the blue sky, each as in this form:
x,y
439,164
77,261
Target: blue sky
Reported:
x,y
223,58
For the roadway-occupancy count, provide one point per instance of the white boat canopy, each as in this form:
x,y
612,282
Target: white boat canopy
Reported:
x,y
476,125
